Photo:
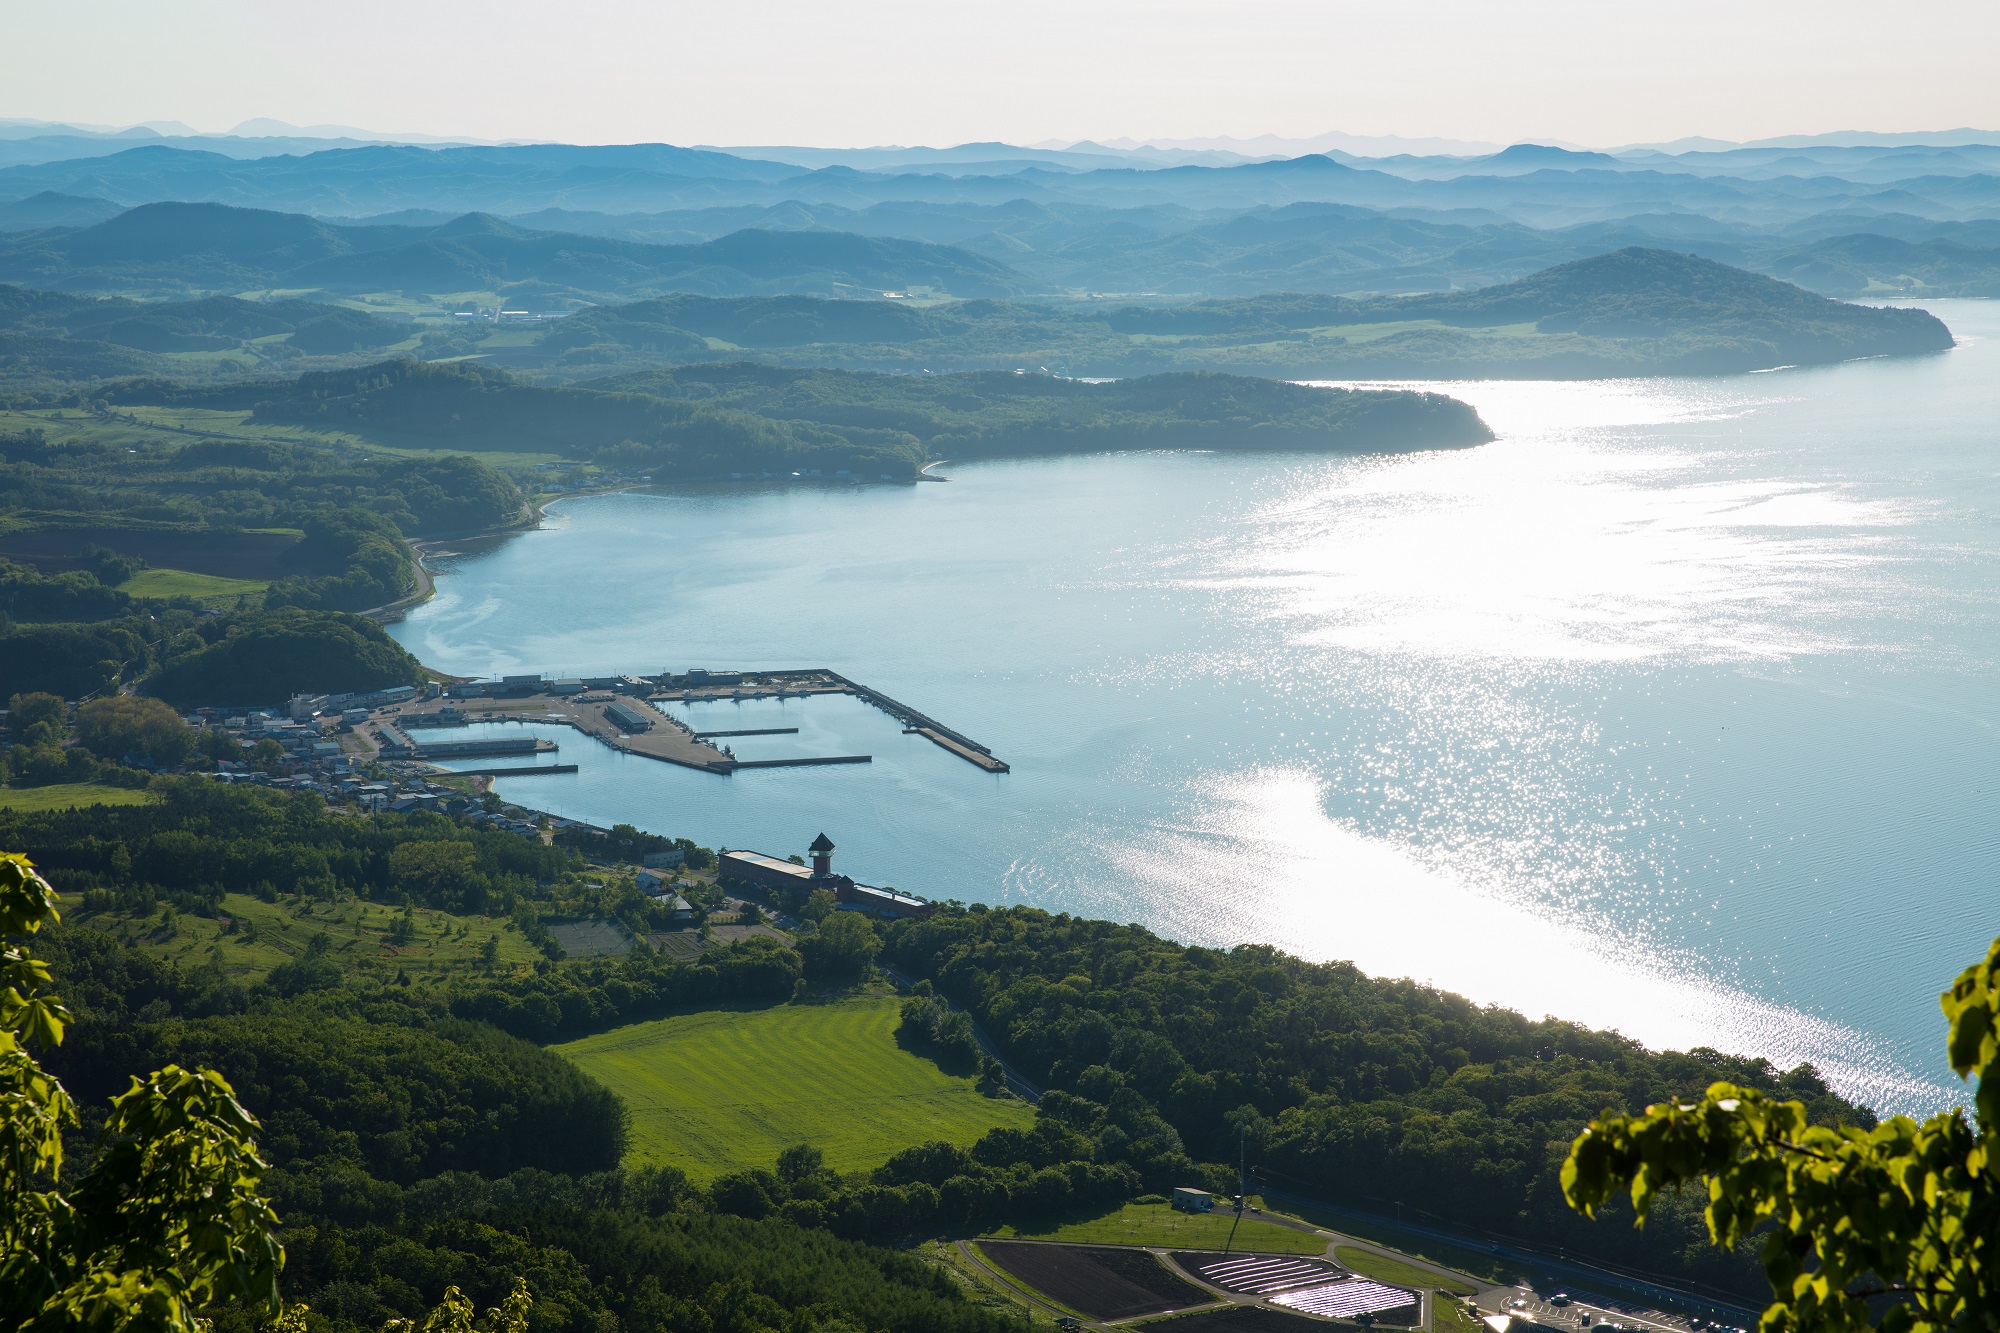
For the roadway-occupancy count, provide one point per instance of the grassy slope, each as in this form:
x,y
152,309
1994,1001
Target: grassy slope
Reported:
x,y
719,1090
276,932
1369,1264
66,795
1160,1224
207,588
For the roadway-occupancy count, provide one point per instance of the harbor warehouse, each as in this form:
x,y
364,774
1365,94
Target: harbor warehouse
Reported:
x,y
756,870
627,717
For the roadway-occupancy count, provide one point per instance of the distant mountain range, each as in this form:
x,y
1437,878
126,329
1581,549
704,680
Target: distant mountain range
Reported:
x,y
557,258
573,224
184,248
1534,185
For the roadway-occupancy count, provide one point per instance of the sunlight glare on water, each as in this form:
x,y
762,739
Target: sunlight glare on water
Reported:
x,y
1335,893
1560,542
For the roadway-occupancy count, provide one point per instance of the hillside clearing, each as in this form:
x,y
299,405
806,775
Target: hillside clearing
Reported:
x,y
252,936
211,589
71,795
726,1089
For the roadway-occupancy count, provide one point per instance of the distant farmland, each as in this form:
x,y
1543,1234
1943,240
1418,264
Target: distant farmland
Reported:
x,y
720,1090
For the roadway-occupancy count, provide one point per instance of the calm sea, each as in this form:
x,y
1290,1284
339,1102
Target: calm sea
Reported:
x,y
1673,710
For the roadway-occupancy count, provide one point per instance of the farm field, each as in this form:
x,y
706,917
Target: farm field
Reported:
x,y
722,1090
259,936
70,795
1103,1284
1159,1224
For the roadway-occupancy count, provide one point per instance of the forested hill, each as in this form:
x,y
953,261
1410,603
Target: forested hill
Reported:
x,y
1656,294
752,419
987,413
1367,1091
49,340
1629,312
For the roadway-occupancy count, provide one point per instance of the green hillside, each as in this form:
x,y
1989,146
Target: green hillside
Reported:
x,y
1629,312
726,1089
709,422
52,337
980,414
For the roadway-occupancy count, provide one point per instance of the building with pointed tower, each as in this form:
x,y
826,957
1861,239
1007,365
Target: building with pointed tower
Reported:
x,y
780,875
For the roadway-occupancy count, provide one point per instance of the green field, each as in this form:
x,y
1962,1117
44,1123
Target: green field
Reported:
x,y
720,1090
1161,1224
211,589
267,934
66,795
1384,1269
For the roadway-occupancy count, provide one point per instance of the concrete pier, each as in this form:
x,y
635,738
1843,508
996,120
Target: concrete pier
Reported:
x,y
807,761
804,682
527,699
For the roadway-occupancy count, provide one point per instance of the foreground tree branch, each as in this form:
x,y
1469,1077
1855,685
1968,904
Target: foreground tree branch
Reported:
x,y
1895,1228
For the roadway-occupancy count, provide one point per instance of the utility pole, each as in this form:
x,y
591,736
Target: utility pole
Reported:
x,y
1242,1167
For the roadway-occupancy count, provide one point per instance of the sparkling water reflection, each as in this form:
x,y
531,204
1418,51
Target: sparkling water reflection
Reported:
x,y
1671,710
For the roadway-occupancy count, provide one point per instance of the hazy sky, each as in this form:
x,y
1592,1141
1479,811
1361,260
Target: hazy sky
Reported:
x,y
945,71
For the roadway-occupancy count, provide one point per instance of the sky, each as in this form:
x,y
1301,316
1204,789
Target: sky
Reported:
x,y
837,73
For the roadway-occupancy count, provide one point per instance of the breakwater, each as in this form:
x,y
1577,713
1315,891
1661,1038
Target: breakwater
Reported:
x,y
614,710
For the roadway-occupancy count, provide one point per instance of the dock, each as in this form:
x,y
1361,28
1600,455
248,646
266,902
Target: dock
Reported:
x,y
512,772
805,682
806,761
614,710
966,752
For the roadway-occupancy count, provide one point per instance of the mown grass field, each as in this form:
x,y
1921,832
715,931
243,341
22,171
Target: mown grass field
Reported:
x,y
69,795
210,589
1161,1224
267,934
726,1089
1394,1271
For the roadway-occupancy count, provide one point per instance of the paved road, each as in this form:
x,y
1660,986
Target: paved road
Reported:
x,y
1557,1269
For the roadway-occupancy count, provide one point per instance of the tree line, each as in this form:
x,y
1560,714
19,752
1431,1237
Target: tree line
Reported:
x,y
1367,1091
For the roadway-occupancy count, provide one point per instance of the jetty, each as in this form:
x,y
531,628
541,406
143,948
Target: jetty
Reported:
x,y
620,711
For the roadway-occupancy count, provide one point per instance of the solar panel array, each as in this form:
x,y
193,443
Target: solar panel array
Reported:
x,y
1263,1273
1344,1300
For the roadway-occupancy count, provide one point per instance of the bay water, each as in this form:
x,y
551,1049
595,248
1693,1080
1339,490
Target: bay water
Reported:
x,y
1672,710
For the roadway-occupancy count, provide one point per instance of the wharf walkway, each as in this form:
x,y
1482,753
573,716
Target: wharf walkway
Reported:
x,y
803,683
667,738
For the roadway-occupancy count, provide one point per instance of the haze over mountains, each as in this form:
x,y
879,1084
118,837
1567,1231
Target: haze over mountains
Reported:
x,y
1854,216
